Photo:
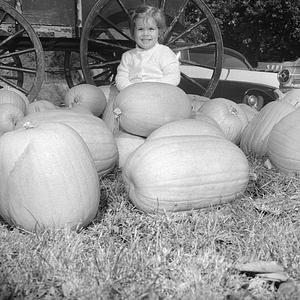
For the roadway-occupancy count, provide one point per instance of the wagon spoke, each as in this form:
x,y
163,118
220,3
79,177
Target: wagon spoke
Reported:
x,y
186,31
114,26
17,53
105,75
3,17
96,56
162,4
193,81
109,44
104,64
8,82
124,8
188,47
24,70
11,37
102,73
175,20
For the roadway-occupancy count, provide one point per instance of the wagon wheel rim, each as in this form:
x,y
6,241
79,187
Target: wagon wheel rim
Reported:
x,y
178,41
73,71
16,76
19,42
72,68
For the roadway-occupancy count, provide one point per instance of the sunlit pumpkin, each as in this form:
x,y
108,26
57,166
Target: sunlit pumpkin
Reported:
x,y
254,138
185,172
284,144
249,111
187,127
127,143
197,101
93,131
48,178
144,107
40,105
292,96
9,116
87,95
11,97
230,117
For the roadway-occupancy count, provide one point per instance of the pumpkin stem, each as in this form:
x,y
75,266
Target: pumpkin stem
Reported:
x,y
117,112
233,110
28,125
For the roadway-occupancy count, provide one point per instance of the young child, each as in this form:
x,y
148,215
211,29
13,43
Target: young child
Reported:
x,y
149,61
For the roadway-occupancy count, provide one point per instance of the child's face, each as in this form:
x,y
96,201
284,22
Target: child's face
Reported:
x,y
146,33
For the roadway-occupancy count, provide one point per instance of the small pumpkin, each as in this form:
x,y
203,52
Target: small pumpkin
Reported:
x,y
87,95
143,107
249,111
230,117
11,97
185,172
197,101
9,116
40,105
48,178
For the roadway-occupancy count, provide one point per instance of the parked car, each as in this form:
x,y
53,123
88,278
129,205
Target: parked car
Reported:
x,y
239,81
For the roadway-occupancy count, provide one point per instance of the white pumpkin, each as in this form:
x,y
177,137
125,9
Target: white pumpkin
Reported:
x,y
9,116
93,131
48,178
88,96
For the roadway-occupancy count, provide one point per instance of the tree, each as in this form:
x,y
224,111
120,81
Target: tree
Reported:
x,y
263,30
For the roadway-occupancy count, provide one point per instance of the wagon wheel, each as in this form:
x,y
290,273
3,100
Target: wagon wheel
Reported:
x,y
14,75
20,44
105,37
72,69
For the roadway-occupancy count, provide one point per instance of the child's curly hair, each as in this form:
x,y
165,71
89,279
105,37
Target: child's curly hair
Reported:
x,y
145,12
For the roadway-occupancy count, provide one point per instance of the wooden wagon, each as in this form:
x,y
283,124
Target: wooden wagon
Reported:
x,y
93,35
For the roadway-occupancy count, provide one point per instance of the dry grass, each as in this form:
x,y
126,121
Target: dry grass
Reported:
x,y
126,254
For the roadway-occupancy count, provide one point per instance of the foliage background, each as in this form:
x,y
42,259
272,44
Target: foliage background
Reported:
x,y
263,30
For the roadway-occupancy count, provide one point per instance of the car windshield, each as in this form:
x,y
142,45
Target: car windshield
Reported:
x,y
207,60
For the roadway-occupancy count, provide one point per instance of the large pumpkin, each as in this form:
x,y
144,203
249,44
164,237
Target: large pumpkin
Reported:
x,y
254,138
185,172
48,178
292,97
229,115
93,131
284,144
143,107
187,127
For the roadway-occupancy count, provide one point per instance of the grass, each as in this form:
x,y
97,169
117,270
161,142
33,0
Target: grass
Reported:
x,y
127,254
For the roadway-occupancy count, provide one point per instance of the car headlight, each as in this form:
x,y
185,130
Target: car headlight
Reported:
x,y
255,101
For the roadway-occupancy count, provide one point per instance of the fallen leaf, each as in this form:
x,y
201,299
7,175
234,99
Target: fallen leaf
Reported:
x,y
276,277
260,267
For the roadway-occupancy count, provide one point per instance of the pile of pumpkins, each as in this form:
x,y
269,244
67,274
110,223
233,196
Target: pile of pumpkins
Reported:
x,y
177,152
